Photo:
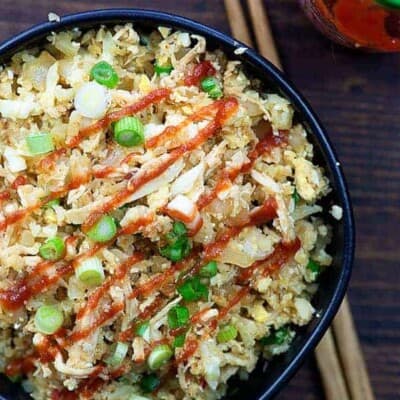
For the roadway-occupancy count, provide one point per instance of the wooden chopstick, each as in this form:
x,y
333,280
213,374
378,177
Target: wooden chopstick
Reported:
x,y
330,368
262,29
333,377
351,354
235,13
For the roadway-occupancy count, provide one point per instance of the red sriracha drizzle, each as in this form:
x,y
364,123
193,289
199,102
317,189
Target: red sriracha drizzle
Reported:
x,y
200,71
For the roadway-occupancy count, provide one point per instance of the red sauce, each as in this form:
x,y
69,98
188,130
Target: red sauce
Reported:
x,y
19,181
152,98
272,263
5,195
100,292
20,366
189,349
236,299
200,71
106,315
225,110
15,297
49,162
228,175
171,131
362,21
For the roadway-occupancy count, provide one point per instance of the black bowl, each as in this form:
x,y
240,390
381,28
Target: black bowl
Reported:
x,y
266,380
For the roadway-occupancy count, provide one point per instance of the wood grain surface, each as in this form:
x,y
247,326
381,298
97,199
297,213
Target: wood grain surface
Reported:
x,y
357,96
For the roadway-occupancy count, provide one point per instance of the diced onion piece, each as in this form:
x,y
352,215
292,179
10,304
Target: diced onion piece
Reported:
x,y
119,353
226,333
266,181
159,356
137,397
48,319
15,162
183,209
92,100
39,143
90,272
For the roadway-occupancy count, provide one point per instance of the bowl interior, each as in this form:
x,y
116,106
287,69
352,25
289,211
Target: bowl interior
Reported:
x,y
267,379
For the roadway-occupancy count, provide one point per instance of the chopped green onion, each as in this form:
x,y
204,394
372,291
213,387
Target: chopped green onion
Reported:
x,y
193,290
209,83
104,74
48,319
179,245
129,132
39,143
90,272
179,229
313,266
52,203
142,328
119,352
162,69
277,337
215,93
211,86
226,333
178,316
150,383
159,356
103,230
296,197
209,270
179,341
52,249
389,3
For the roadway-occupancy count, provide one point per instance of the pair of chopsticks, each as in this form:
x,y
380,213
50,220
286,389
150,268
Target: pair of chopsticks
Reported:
x,y
339,355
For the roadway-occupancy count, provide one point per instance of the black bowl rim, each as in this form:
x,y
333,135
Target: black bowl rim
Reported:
x,y
115,15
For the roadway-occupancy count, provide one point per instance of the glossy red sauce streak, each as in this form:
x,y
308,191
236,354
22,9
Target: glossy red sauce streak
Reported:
x,y
20,366
20,292
200,71
130,333
235,300
191,346
100,292
19,181
258,216
171,131
5,195
152,98
106,315
15,297
108,170
228,175
49,162
225,110
281,255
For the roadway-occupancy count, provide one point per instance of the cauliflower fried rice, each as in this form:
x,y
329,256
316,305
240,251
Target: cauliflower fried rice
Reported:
x,y
159,220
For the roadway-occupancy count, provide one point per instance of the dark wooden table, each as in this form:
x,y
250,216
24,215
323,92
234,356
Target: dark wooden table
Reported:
x,y
357,96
